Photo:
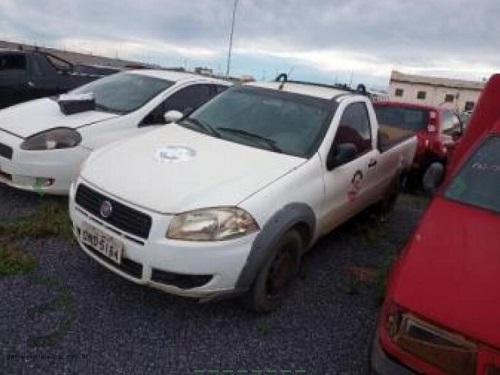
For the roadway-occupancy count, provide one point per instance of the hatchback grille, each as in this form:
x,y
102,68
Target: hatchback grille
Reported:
x,y
5,151
121,216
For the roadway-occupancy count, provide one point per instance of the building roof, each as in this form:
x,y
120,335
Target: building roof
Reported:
x,y
435,81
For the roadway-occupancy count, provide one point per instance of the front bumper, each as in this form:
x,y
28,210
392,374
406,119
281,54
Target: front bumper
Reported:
x,y
24,168
218,264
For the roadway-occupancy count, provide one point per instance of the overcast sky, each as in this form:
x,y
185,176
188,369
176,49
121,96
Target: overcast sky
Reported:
x,y
324,40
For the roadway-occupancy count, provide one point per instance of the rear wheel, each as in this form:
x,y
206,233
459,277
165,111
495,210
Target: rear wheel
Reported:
x,y
281,266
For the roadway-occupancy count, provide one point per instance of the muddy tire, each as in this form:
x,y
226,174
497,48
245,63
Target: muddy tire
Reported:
x,y
279,269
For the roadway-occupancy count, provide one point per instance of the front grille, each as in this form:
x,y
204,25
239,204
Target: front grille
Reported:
x,y
127,266
178,280
5,151
122,217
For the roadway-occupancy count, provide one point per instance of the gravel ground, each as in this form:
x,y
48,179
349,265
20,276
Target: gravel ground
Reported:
x,y
72,316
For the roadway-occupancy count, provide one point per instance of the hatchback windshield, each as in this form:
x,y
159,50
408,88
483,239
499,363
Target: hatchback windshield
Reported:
x,y
124,92
402,117
274,120
478,182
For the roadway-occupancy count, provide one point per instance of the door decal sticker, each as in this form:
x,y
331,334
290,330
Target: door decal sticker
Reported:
x,y
355,187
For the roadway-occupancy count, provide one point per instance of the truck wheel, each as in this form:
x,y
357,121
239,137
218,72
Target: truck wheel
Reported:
x,y
432,176
278,270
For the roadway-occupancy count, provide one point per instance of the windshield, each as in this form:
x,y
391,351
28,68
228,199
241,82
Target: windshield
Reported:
x,y
478,182
402,117
274,120
124,92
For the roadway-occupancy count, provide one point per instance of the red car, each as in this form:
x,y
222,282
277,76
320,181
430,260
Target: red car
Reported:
x,y
437,129
441,314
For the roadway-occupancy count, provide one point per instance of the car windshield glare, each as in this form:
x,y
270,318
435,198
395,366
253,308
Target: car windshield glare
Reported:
x,y
124,92
402,117
274,120
478,182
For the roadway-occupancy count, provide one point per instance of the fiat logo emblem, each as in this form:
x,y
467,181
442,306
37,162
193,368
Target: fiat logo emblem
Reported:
x,y
106,209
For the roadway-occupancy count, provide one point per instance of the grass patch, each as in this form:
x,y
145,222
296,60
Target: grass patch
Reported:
x,y
51,219
14,262
264,327
417,201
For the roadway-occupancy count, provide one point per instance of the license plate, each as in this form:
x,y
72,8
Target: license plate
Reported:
x,y
101,242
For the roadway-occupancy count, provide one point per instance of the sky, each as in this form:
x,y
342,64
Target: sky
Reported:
x,y
329,41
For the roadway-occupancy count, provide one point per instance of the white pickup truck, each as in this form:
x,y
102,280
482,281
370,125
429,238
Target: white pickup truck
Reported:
x,y
228,199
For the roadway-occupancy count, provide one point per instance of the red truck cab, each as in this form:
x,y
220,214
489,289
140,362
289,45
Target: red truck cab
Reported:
x,y
437,130
441,310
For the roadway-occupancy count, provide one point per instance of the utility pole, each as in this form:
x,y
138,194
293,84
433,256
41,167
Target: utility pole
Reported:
x,y
231,39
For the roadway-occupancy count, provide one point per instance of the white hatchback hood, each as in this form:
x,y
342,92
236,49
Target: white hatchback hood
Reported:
x,y
35,116
209,172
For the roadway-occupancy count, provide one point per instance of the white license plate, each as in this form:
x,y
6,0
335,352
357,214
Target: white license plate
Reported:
x,y
101,242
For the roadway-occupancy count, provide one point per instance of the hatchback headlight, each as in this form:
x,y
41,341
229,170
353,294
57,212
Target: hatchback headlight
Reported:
x,y
212,224
450,352
53,139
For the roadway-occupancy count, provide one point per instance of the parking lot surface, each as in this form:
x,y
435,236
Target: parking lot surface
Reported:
x,y
69,315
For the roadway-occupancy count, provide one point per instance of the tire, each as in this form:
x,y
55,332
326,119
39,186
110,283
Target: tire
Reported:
x,y
432,176
279,269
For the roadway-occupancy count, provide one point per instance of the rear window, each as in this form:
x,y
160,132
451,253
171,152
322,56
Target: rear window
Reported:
x,y
402,117
478,182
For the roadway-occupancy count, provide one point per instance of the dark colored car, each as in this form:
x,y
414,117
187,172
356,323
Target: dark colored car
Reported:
x,y
441,311
437,130
27,75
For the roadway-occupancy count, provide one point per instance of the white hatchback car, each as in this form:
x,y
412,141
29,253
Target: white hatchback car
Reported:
x,y
41,147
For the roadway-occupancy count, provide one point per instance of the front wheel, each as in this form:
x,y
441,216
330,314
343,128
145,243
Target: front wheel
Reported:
x,y
280,267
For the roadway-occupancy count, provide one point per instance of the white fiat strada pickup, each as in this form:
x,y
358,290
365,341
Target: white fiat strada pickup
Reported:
x,y
228,199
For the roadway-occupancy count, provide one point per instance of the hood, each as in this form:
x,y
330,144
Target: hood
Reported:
x,y
39,115
450,273
173,169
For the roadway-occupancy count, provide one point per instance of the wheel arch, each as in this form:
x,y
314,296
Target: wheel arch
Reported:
x,y
294,216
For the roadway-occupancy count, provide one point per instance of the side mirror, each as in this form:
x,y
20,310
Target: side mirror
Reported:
x,y
340,155
172,116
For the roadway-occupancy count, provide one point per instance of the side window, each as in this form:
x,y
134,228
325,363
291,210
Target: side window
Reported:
x,y
188,99
449,122
184,100
12,62
219,89
355,128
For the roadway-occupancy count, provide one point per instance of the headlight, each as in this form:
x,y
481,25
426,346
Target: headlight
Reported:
x,y
52,139
212,224
450,352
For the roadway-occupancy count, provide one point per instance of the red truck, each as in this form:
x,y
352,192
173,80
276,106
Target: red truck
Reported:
x,y
441,310
437,129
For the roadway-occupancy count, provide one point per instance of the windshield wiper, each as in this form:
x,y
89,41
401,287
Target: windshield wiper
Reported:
x,y
270,142
202,125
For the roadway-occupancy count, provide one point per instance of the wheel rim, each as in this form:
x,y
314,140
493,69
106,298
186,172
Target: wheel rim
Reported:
x,y
281,271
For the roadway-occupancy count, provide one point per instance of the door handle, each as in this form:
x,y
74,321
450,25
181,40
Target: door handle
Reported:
x,y
373,163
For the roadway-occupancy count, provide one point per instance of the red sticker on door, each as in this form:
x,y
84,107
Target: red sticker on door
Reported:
x,y
355,187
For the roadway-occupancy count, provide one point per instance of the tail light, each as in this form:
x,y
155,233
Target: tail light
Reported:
x,y
432,126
